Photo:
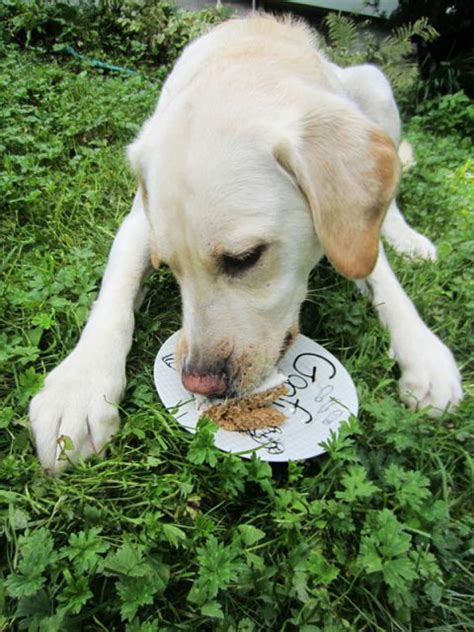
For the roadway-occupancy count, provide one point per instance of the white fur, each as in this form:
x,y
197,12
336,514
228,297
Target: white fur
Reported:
x,y
430,376
404,239
206,162
80,397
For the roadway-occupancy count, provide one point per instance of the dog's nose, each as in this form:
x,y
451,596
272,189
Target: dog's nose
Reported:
x,y
206,384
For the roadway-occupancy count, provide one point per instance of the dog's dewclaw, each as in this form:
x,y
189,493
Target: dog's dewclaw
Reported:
x,y
249,413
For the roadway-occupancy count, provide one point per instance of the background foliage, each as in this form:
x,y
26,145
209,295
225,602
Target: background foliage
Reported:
x,y
447,62
139,33
349,42
167,533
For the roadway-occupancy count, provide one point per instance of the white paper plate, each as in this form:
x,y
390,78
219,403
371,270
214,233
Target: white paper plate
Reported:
x,y
321,396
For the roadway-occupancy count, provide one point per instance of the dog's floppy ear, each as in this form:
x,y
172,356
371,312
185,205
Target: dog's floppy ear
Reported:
x,y
348,170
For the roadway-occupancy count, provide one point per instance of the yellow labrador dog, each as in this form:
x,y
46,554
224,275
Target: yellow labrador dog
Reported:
x,y
260,158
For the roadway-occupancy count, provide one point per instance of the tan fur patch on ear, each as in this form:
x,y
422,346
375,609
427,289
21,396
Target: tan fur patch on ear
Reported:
x,y
347,168
361,260
384,178
356,256
387,166
382,182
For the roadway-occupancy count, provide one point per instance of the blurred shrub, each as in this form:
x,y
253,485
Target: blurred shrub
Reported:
x,y
446,63
150,34
131,32
349,42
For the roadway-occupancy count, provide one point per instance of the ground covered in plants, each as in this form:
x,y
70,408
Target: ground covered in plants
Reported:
x,y
167,533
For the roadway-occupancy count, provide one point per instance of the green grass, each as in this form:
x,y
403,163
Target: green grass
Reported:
x,y
167,533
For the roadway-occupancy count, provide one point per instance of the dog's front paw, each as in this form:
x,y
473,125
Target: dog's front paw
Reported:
x,y
411,244
75,414
430,376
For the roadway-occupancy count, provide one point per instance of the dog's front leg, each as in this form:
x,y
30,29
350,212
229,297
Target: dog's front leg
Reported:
x,y
80,396
430,376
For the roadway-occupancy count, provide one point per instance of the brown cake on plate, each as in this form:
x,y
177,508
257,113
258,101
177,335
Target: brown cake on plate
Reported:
x,y
252,411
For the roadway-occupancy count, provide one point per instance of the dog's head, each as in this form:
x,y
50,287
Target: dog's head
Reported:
x,y
241,206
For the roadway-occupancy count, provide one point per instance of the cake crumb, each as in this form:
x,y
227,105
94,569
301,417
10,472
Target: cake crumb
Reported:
x,y
249,413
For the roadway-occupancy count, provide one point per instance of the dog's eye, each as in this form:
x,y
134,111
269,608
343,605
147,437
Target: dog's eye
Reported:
x,y
234,265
